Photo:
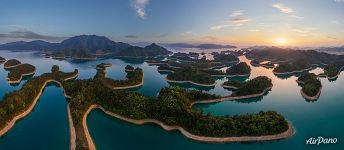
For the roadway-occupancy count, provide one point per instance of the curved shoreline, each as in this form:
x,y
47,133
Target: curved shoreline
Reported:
x,y
22,75
336,76
312,98
228,86
131,86
231,98
199,84
291,72
231,76
11,123
12,66
71,129
283,135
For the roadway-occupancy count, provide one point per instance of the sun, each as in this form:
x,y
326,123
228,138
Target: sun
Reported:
x,y
281,41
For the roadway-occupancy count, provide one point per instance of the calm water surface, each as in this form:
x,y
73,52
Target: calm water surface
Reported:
x,y
47,126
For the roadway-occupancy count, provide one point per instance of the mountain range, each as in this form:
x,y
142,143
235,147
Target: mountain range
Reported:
x,y
86,45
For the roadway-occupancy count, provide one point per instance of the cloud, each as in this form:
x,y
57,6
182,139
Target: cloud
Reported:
x,y
219,27
26,34
295,16
339,1
237,21
131,36
237,13
140,7
283,8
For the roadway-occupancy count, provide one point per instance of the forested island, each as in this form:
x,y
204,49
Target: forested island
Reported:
x,y
332,71
292,67
16,74
11,63
191,75
134,78
171,109
311,86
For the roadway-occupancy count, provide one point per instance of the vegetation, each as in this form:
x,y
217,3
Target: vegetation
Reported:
x,y
292,66
102,66
233,83
191,74
239,69
134,77
311,86
253,86
16,102
12,62
172,107
332,70
221,57
18,72
55,68
129,68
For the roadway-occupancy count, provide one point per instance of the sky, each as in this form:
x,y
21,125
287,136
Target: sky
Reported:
x,y
234,22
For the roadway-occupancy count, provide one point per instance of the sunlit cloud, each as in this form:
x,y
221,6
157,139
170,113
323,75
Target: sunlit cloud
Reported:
x,y
283,8
219,27
236,22
237,13
209,38
140,6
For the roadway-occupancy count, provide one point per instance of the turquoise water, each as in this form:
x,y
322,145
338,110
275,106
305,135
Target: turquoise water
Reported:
x,y
47,126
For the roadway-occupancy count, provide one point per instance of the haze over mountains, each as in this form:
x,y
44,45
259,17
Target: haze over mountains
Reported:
x,y
200,46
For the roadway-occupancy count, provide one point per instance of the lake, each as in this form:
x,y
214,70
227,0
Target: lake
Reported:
x,y
47,126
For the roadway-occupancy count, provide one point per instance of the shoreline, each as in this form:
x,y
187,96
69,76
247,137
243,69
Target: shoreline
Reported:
x,y
311,98
12,122
21,77
231,76
9,67
231,98
288,133
291,72
71,129
336,76
188,81
131,86
230,87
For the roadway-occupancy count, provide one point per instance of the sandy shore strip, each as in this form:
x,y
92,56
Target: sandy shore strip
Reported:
x,y
231,98
9,67
90,143
21,77
283,135
312,98
71,130
229,87
131,86
199,84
